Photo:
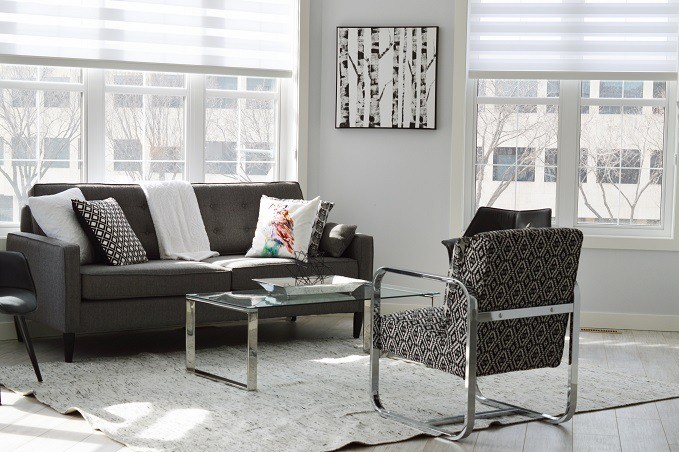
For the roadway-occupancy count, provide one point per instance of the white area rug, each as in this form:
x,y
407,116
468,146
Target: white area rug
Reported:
x,y
312,396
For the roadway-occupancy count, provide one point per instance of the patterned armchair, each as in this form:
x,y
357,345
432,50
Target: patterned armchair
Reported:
x,y
509,298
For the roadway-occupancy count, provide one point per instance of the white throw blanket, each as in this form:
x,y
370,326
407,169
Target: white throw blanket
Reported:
x,y
176,217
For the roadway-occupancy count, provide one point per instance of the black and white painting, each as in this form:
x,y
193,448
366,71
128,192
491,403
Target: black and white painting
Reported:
x,y
386,77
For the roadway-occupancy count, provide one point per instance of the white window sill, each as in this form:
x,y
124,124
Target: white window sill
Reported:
x,y
631,243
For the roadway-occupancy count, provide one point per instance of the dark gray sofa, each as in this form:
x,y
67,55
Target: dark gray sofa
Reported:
x,y
98,298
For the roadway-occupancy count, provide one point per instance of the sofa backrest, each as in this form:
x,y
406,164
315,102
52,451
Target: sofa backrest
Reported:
x,y
229,211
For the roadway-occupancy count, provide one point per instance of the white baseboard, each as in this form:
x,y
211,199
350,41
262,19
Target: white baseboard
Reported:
x,y
630,321
7,331
593,319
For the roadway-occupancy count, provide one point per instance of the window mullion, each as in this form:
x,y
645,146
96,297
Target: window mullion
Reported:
x,y
95,129
195,128
568,153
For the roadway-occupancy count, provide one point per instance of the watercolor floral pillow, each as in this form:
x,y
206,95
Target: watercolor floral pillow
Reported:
x,y
284,227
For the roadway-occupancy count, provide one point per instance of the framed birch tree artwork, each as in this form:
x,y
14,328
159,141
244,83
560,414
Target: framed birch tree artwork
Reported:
x,y
386,77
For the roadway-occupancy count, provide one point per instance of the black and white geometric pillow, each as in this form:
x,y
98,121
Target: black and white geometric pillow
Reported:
x,y
106,224
317,232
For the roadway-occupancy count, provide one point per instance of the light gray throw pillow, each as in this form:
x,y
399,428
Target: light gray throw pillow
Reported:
x,y
54,214
337,238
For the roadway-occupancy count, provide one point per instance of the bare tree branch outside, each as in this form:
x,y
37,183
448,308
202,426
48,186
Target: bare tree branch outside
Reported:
x,y
621,155
145,130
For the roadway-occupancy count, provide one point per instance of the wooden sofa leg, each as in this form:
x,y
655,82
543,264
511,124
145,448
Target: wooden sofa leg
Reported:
x,y
20,337
69,346
358,323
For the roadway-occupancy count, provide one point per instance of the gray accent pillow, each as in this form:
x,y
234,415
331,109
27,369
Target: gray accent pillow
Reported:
x,y
337,238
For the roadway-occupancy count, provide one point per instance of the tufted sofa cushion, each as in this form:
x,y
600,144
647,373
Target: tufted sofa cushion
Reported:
x,y
156,278
130,198
229,211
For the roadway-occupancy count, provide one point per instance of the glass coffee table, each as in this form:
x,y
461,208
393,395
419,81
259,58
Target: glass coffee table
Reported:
x,y
250,302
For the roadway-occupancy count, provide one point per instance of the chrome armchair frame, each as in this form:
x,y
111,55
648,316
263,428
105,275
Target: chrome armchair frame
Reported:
x,y
474,317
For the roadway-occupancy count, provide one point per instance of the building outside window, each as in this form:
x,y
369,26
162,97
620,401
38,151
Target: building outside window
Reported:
x,y
241,129
40,130
144,128
620,165
516,142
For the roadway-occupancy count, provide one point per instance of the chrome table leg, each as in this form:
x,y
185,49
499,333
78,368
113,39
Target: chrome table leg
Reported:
x,y
367,326
252,351
190,335
251,381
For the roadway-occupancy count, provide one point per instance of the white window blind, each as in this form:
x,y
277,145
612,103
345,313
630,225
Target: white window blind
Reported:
x,y
574,39
235,37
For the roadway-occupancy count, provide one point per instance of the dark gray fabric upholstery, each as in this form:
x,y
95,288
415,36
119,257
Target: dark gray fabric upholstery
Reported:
x,y
336,238
16,301
508,269
130,198
157,278
26,221
102,299
230,211
244,269
55,266
362,250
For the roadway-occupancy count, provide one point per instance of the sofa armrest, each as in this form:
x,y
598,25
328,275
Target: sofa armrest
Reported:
x,y
55,267
362,250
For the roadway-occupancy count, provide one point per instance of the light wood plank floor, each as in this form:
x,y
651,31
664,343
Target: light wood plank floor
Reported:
x,y
27,425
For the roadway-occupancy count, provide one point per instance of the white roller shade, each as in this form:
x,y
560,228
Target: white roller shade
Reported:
x,y
573,39
236,37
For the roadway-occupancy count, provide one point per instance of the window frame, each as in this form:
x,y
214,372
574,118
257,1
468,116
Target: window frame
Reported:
x,y
243,93
93,116
570,107
143,90
38,85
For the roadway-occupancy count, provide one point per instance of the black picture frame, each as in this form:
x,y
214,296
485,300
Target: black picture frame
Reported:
x,y
430,77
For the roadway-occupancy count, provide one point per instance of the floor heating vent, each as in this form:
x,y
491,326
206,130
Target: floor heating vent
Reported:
x,y
601,330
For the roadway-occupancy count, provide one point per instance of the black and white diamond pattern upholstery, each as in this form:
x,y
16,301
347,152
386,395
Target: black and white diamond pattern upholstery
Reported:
x,y
105,223
319,224
504,270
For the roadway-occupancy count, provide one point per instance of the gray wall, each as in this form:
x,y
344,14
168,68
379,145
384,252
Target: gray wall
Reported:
x,y
630,282
395,184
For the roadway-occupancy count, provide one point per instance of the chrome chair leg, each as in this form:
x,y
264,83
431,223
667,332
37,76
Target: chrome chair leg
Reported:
x,y
430,427
474,393
572,393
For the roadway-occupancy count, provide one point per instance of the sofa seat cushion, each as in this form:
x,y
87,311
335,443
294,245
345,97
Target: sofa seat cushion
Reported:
x,y
155,278
243,269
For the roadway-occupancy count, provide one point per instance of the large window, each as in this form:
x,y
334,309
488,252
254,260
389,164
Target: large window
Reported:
x,y
623,138
145,126
40,131
241,132
516,142
141,126
611,179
